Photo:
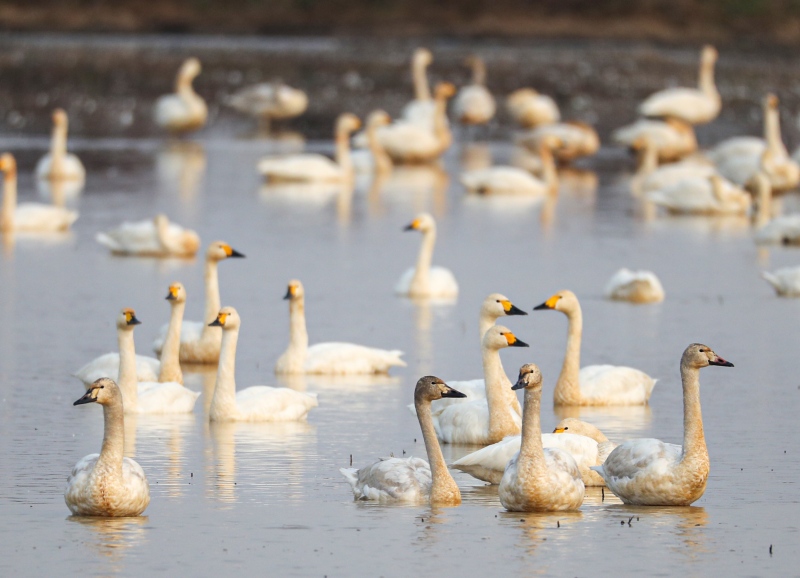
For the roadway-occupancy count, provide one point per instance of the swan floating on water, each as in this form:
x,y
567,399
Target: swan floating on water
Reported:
x,y
425,280
156,237
185,110
58,164
474,104
634,286
530,109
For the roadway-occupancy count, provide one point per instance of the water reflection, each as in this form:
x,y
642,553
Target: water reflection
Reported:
x,y
303,382
535,528
60,191
423,186
162,441
685,523
201,377
475,156
425,310
304,194
180,167
110,538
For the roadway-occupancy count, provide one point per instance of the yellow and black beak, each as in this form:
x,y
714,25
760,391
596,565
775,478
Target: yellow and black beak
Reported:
x,y
549,304
173,293
560,430
131,319
514,342
512,309
450,392
219,321
413,225
233,252
88,397
289,292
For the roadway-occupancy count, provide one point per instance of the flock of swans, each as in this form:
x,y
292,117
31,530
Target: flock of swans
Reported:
x,y
533,471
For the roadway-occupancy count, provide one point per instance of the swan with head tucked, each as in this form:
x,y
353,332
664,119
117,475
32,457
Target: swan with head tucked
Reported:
x,y
593,384
474,104
33,217
412,479
671,138
785,281
530,109
425,280
693,105
58,164
315,167
327,358
649,472
256,403
698,195
375,158
268,101
199,343
538,479
574,139
107,484
651,177
634,286
185,110
156,237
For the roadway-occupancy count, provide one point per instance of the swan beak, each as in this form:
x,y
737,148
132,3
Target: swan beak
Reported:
x,y
549,304
412,225
514,342
235,253
87,398
512,309
289,293
559,430
173,293
450,392
132,320
520,384
721,362
219,321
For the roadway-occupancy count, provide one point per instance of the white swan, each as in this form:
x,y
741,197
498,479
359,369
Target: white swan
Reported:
x,y
593,384
693,105
315,167
185,110
530,109
199,343
671,139
256,403
474,104
651,177
785,281
712,195
538,479
375,158
58,164
424,280
782,230
156,237
649,472
327,358
575,139
269,100
107,484
421,110
634,286
34,217
412,479
170,369
503,180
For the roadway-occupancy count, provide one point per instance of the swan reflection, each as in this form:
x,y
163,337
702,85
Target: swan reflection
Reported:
x,y
180,166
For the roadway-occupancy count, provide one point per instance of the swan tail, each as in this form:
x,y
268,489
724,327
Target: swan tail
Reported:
x,y
107,241
771,279
351,475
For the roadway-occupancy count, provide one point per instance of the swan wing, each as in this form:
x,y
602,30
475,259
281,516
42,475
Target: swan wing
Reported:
x,y
132,237
616,384
474,104
107,365
303,167
502,180
785,281
785,229
489,463
349,358
40,217
420,113
167,397
688,104
265,403
391,479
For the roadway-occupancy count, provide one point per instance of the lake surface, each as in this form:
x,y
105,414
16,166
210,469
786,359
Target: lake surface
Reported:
x,y
268,498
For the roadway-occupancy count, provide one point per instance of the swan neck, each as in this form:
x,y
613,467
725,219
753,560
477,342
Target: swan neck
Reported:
x,y
128,380
772,132
694,441
764,203
113,448
498,396
648,160
58,149
213,304
170,352
298,334
440,128
568,389
223,404
442,483
383,162
9,200
705,81
549,171
478,72
424,259
343,152
421,89
485,323
531,453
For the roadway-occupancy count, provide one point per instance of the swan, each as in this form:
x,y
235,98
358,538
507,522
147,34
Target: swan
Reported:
x,y
424,280
575,139
34,217
327,358
515,181
693,105
421,110
671,138
530,109
782,230
269,100
649,472
712,195
785,281
488,419
651,177
375,159
170,369
315,167
58,164
474,104
634,286
156,237
200,344
149,397
412,479
107,484
256,403
593,384
582,428
538,479
184,111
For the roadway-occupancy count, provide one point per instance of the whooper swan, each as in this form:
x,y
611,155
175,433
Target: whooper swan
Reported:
x,y
538,479
34,217
696,195
256,403
574,139
649,472
375,158
425,280
155,237
412,479
634,286
651,177
593,384
107,484
671,139
268,101
530,109
782,230
199,343
184,111
58,164
421,109
327,358
785,281
474,104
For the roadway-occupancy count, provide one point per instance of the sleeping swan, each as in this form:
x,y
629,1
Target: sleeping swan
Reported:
x,y
412,479
634,286
107,484
424,280
58,164
184,111
155,237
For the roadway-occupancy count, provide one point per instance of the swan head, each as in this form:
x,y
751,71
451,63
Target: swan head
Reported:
x,y
698,355
562,301
227,318
550,142
771,102
444,90
423,222
190,69
347,123
430,388
60,117
422,57
177,293
219,250
8,163
127,319
709,55
103,391
294,290
520,97
378,118
575,426
498,337
530,376
498,305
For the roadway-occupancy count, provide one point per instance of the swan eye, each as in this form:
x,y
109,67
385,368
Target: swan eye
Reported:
x,y
702,350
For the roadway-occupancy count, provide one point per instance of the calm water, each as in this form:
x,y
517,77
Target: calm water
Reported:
x,y
268,498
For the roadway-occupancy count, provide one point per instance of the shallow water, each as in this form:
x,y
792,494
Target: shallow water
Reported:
x,y
259,498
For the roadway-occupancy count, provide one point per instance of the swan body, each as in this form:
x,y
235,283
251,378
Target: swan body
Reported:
x,y
107,484
703,196
425,280
184,111
154,238
375,158
421,110
502,180
58,164
594,384
199,343
269,100
538,479
474,104
529,108
634,286
693,105
649,472
575,139
785,281
412,479
33,217
327,358
107,365
783,230
651,177
672,139
315,167
256,403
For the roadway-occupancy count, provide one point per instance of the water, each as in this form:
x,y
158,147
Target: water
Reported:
x,y
256,498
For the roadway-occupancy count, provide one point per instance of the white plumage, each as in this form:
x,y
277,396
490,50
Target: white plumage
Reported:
x,y
474,104
785,281
58,164
185,110
575,139
156,237
703,196
634,286
425,280
671,138
107,365
269,100
529,108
